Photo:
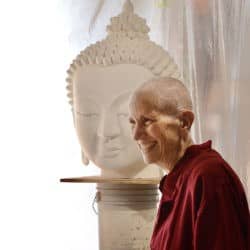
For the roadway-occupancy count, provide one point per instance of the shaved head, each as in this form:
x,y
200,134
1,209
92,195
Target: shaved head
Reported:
x,y
167,95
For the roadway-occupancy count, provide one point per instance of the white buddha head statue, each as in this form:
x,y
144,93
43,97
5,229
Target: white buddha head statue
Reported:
x,y
100,81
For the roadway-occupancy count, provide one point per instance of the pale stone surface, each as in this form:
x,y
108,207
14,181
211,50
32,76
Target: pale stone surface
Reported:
x,y
126,216
100,80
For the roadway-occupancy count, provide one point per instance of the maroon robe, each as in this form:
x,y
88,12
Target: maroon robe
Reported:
x,y
203,205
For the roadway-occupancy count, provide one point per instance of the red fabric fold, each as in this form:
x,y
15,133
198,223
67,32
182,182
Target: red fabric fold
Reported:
x,y
203,205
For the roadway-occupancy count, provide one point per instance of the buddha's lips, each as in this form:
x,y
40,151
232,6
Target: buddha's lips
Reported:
x,y
112,151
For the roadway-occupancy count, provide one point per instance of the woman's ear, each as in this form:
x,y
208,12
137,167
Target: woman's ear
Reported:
x,y
186,118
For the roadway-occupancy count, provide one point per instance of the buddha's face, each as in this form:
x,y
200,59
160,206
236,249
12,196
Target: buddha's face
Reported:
x,y
101,114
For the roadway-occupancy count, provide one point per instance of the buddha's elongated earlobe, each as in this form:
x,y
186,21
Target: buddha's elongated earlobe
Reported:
x,y
85,159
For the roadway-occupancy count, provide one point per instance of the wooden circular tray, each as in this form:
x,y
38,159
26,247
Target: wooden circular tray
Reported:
x,y
100,179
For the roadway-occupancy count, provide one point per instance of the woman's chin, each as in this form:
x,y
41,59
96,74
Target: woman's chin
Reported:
x,y
148,159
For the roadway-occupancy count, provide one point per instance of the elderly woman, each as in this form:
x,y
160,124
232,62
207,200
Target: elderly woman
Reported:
x,y
203,204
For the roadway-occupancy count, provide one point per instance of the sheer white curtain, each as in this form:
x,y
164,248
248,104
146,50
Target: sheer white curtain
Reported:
x,y
210,41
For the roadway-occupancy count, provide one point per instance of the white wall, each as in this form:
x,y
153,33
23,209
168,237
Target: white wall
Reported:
x,y
38,145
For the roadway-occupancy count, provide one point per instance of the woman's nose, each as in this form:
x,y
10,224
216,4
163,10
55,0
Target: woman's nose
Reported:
x,y
109,126
137,132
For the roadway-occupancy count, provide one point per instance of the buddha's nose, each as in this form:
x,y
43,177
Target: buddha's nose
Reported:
x,y
109,127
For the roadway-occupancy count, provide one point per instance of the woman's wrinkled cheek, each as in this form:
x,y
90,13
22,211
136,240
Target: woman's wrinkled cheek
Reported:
x,y
164,144
170,142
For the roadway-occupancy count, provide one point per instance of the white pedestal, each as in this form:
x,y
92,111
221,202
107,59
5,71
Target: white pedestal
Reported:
x,y
126,215
126,211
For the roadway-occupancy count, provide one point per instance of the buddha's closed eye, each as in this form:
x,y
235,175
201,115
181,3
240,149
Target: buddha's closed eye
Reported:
x,y
123,114
88,115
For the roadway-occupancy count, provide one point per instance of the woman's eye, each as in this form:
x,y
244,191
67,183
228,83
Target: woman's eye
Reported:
x,y
148,122
132,122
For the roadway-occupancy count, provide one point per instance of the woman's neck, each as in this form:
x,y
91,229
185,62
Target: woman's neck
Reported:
x,y
174,157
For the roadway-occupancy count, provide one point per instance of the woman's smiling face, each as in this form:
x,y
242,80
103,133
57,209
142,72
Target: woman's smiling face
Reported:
x,y
156,133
